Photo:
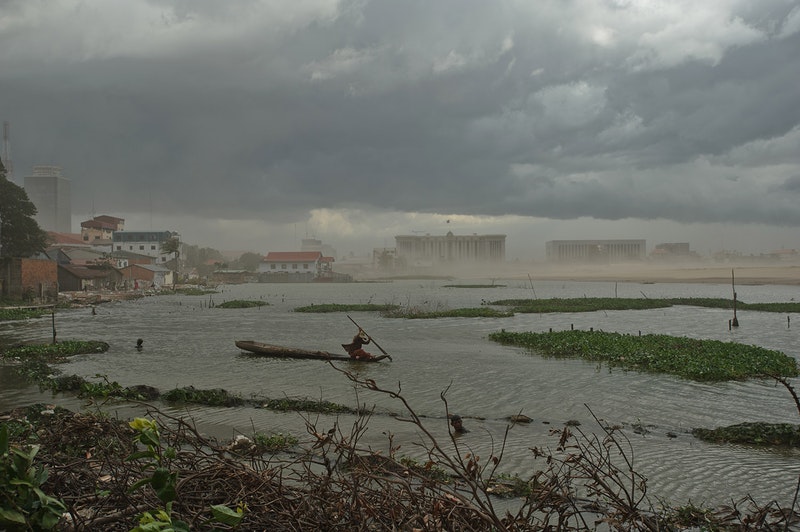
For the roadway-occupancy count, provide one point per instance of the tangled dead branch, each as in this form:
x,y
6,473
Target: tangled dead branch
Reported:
x,y
330,482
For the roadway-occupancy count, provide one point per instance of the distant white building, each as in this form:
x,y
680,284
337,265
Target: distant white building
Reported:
x,y
595,251
49,191
433,250
309,263
144,243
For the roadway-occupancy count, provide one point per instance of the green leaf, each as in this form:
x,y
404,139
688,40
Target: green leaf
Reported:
x,y
11,516
141,454
180,526
149,437
3,439
139,483
226,515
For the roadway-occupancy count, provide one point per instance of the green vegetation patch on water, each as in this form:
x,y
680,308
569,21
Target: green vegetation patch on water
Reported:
x,y
474,286
306,405
336,307
592,304
54,352
213,397
10,314
586,304
242,303
772,434
700,360
477,312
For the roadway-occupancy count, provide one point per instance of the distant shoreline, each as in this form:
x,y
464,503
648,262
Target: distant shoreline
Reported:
x,y
749,274
741,275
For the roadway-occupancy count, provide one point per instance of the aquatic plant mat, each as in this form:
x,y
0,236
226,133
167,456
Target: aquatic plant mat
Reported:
x,y
700,360
158,472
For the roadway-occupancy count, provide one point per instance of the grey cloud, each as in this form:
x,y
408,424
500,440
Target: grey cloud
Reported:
x,y
413,107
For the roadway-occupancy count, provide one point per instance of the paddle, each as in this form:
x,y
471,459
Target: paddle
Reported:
x,y
370,338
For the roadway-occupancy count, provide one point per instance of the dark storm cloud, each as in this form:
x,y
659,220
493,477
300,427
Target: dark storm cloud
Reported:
x,y
615,109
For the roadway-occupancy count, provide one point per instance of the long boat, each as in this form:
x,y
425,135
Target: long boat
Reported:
x,y
277,351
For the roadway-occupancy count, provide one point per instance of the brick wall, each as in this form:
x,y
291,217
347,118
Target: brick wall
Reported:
x,y
32,279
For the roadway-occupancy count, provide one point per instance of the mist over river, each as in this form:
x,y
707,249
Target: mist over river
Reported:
x,y
190,342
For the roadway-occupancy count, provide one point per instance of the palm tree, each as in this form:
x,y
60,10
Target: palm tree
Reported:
x,y
173,245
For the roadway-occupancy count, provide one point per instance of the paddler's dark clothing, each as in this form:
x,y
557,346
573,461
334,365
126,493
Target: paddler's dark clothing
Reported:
x,y
354,348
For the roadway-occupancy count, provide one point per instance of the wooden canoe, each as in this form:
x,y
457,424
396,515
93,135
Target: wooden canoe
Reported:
x,y
277,351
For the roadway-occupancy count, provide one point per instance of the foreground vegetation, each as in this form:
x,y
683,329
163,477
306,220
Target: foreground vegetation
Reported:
x,y
88,471
700,360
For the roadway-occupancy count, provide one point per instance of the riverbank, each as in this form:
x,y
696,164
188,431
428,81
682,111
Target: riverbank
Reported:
x,y
690,272
679,273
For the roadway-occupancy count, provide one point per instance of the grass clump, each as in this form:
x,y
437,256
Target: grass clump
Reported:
x,y
213,397
336,307
273,443
700,360
772,434
586,304
54,352
420,313
9,314
474,286
242,303
306,405
592,304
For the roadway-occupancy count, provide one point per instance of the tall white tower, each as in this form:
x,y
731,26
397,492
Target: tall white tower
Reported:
x,y
50,192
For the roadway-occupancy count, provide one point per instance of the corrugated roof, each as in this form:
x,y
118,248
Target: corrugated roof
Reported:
x,y
83,272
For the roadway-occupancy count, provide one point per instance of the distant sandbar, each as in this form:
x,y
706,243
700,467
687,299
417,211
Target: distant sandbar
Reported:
x,y
741,275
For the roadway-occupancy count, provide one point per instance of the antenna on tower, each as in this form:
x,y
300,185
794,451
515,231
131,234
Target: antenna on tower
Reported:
x,y
7,151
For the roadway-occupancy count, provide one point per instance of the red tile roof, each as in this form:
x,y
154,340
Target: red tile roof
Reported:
x,y
66,239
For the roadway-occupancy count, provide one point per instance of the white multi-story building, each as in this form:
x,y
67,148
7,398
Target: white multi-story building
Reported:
x,y
144,243
595,251
50,193
433,250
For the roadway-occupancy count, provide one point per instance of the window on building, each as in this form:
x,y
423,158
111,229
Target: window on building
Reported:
x,y
152,247
283,266
273,266
119,248
305,266
294,266
141,248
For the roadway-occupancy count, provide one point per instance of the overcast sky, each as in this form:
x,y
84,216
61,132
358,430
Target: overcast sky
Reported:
x,y
248,125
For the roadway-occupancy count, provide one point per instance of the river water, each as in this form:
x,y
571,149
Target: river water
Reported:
x,y
188,341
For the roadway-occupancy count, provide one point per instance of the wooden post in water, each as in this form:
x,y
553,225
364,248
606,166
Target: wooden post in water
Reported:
x,y
735,321
54,323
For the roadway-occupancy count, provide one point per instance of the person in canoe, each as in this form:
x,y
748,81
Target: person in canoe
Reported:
x,y
355,348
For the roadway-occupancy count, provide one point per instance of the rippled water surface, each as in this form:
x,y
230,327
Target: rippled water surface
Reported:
x,y
188,341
